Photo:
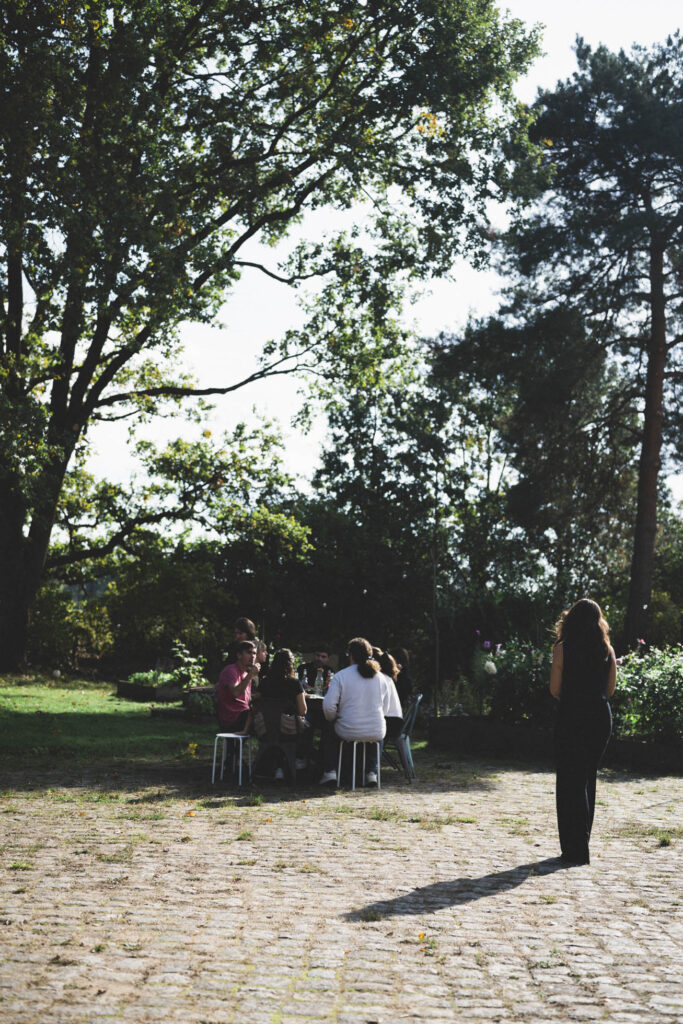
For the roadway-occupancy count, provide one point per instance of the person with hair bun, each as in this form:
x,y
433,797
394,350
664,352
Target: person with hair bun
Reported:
x,y
354,707
582,678
388,666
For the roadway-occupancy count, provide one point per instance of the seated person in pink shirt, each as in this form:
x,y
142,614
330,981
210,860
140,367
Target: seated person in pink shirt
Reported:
x,y
233,692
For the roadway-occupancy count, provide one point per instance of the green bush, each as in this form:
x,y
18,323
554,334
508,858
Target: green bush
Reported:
x,y
200,705
65,629
648,703
190,669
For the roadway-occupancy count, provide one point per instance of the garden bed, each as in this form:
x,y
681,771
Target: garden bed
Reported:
x,y
486,736
137,691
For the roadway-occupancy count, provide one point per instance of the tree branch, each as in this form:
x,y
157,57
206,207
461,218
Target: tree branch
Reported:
x,y
178,391
116,539
278,277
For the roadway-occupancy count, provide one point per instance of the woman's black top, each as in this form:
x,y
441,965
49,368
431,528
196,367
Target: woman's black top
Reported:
x,y
584,675
284,690
404,686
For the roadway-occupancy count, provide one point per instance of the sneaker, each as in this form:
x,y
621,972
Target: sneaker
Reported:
x,y
279,774
330,776
300,764
371,779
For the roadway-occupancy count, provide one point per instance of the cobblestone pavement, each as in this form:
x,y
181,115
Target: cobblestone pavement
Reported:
x,y
154,897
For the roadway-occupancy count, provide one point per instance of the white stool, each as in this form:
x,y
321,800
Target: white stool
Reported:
x,y
378,743
237,738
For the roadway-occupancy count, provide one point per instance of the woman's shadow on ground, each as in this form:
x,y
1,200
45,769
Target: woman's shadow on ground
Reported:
x,y
429,898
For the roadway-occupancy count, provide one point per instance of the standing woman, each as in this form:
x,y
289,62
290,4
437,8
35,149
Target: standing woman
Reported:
x,y
582,678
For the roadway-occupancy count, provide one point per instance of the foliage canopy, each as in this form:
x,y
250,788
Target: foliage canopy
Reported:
x,y
151,141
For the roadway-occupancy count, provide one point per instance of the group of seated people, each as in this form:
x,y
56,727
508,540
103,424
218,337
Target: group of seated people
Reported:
x,y
362,701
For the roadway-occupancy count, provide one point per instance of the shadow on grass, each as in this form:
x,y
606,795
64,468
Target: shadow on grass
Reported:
x,y
429,898
87,738
129,749
81,736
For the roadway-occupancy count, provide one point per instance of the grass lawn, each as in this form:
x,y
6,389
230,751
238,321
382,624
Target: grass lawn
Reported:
x,y
71,726
42,719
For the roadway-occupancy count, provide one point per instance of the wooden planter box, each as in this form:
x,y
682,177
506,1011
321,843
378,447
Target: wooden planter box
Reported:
x,y
639,755
482,735
158,694
489,738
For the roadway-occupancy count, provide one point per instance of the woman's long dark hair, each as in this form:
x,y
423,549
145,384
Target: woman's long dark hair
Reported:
x,y
282,666
400,656
388,665
361,652
585,624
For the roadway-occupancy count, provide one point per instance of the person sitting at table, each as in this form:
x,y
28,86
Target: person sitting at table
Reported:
x,y
404,680
354,707
244,630
282,686
309,670
262,662
394,716
233,692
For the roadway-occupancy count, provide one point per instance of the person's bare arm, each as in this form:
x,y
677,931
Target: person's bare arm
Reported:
x,y
611,675
238,688
556,671
300,704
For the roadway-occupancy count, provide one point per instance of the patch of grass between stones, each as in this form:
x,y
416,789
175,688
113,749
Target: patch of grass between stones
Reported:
x,y
369,914
664,835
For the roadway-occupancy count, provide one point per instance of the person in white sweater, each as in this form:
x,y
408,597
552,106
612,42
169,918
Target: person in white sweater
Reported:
x,y
357,701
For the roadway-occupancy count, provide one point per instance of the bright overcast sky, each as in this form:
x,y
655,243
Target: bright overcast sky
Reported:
x,y
259,308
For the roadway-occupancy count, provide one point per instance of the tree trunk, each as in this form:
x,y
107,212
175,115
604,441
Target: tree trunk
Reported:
x,y
642,562
435,620
14,603
22,561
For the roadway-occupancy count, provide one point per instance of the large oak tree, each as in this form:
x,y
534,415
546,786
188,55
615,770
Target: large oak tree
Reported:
x,y
145,142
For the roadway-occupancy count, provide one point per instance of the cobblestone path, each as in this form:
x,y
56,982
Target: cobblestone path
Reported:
x,y
153,897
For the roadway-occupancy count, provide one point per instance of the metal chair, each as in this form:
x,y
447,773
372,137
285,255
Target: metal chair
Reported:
x,y
353,769
238,739
402,742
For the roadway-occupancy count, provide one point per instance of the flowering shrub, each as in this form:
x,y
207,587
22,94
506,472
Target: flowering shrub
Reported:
x,y
648,703
518,691
510,683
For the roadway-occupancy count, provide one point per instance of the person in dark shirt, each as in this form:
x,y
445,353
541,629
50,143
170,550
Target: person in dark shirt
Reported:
x,y
282,687
320,663
282,684
582,678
